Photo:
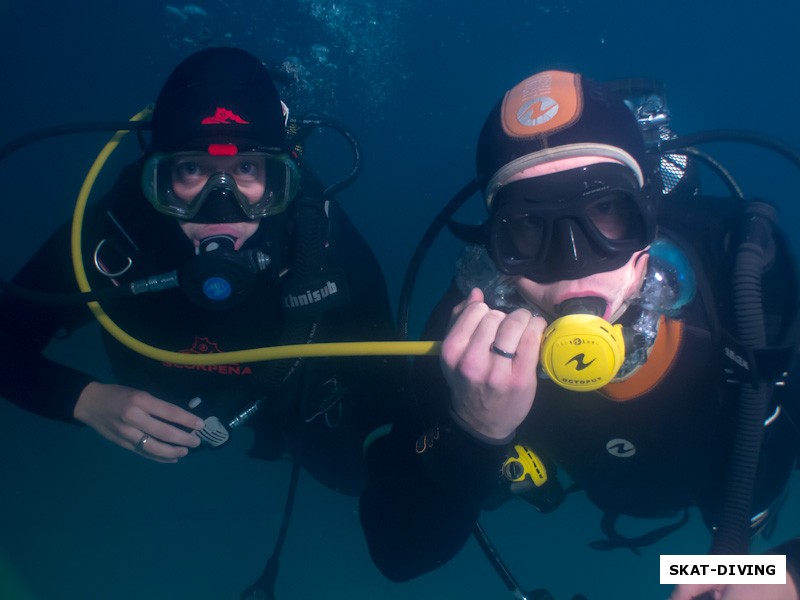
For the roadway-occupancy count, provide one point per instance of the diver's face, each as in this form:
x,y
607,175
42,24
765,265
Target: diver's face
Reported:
x,y
190,176
616,287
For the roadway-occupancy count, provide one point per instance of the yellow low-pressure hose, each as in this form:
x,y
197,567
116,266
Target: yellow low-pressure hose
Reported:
x,y
239,356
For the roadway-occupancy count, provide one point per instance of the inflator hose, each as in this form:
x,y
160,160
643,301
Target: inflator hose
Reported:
x,y
422,248
733,531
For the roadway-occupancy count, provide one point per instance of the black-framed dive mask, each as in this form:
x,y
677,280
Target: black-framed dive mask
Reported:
x,y
570,224
220,188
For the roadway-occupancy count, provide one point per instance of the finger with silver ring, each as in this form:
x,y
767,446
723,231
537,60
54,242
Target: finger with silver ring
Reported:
x,y
139,447
500,352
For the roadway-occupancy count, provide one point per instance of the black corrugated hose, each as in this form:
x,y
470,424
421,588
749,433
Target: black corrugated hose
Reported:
x,y
733,531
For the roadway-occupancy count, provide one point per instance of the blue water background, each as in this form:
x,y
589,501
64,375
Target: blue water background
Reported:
x,y
82,519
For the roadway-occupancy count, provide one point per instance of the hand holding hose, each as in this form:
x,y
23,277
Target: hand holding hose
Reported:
x,y
490,360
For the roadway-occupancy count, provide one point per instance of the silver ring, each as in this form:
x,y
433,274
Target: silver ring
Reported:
x,y
142,441
502,353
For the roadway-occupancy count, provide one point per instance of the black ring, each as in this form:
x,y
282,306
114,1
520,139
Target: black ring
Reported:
x,y
502,353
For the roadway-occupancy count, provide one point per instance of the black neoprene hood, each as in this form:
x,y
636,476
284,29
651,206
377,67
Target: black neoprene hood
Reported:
x,y
219,96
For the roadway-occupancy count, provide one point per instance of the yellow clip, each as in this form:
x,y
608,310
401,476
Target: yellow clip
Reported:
x,y
525,465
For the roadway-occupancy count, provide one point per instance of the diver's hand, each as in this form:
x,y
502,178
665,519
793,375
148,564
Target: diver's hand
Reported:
x,y
124,415
741,591
491,393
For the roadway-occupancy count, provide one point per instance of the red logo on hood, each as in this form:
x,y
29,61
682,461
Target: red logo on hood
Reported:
x,y
224,116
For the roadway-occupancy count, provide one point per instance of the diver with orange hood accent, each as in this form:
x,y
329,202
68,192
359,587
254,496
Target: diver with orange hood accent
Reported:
x,y
602,312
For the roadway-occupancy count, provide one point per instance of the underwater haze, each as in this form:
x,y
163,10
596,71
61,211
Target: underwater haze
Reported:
x,y
82,519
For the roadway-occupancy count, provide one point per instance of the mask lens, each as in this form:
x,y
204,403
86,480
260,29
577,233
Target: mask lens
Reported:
x,y
522,237
189,175
243,175
179,184
616,217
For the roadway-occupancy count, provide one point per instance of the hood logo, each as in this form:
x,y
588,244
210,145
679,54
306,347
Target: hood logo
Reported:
x,y
537,111
223,116
580,365
620,448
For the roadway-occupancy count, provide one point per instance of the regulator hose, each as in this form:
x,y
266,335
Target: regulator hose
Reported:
x,y
733,531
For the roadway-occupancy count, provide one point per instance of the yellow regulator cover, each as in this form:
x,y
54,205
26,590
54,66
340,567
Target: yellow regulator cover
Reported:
x,y
582,352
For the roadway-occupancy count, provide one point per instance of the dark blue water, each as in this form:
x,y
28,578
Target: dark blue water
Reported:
x,y
82,519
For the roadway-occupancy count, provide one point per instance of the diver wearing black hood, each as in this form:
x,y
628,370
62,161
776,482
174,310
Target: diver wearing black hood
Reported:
x,y
263,256
588,330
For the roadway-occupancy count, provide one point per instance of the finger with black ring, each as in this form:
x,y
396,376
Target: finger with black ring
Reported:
x,y
485,331
500,352
509,333
464,347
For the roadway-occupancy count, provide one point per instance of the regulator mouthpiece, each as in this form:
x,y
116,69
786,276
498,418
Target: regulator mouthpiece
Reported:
x,y
580,350
589,305
218,277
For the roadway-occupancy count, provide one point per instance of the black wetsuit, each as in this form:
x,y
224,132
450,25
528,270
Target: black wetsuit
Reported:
x,y
319,408
663,450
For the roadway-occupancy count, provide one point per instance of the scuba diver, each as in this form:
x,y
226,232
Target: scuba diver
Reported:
x,y
261,255
606,323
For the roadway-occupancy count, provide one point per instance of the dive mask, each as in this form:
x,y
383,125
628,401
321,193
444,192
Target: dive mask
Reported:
x,y
219,188
570,224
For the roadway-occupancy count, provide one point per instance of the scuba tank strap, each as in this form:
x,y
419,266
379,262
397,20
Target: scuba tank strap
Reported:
x,y
310,227
769,363
312,287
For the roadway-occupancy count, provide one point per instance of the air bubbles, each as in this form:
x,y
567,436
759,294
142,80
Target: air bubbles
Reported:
x,y
320,52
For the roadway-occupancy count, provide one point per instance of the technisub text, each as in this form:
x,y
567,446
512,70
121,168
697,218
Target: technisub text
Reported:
x,y
310,296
